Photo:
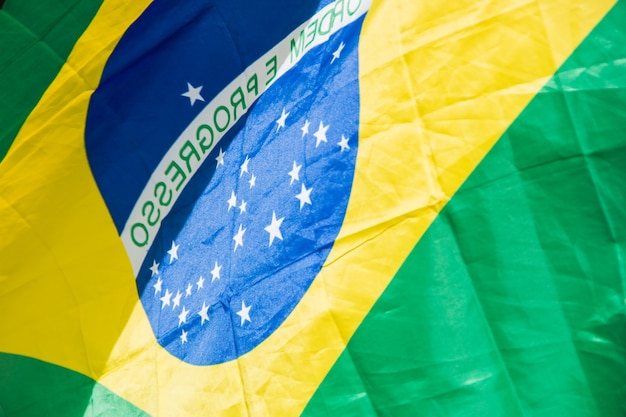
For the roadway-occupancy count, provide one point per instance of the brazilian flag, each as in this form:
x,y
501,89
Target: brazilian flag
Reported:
x,y
315,208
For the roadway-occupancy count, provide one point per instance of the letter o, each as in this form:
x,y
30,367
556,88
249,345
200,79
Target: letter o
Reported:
x,y
353,11
216,122
133,231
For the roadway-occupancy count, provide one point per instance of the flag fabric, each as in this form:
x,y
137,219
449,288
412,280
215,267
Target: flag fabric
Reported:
x,y
324,208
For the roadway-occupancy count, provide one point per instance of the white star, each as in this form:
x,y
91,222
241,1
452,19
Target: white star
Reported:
x,y
220,158
252,181
304,196
173,252
182,317
343,143
337,53
295,173
204,313
274,228
193,93
232,201
238,238
244,167
166,298
244,313
154,268
242,206
216,272
305,128
281,120
157,286
320,135
183,337
188,290
200,282
176,300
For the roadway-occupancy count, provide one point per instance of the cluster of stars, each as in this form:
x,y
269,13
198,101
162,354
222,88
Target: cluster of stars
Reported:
x,y
169,299
181,301
175,300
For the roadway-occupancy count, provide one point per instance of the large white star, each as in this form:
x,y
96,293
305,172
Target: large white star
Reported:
x,y
238,238
200,282
337,53
183,337
204,313
157,286
220,158
154,268
343,143
281,120
232,201
166,298
252,181
182,317
304,196
215,273
173,252
244,313
193,93
295,173
188,290
274,228
320,135
242,206
305,128
244,167
176,300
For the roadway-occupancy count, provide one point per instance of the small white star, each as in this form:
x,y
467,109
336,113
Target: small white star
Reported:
x,y
173,252
200,283
244,313
242,206
305,128
215,273
183,337
204,313
193,93
188,290
337,53
274,228
232,201
182,317
295,173
154,268
343,143
157,286
320,135
238,238
281,120
176,300
304,196
166,298
220,158
252,181
244,167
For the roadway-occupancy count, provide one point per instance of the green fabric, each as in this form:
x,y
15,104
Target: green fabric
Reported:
x,y
36,38
29,387
513,303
